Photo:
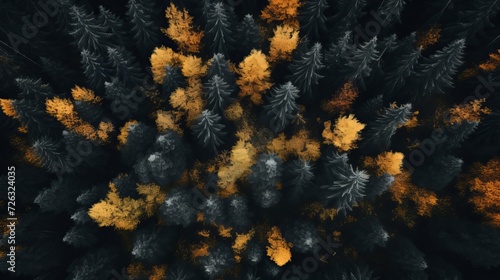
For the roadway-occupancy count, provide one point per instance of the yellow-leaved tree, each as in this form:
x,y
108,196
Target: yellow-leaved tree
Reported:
x,y
485,188
345,133
387,162
278,249
342,101
122,213
181,29
64,111
282,10
254,76
283,43
159,60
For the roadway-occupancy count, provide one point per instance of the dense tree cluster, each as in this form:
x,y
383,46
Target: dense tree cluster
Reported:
x,y
279,139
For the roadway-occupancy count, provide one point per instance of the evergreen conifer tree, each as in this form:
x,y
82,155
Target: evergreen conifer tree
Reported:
x,y
96,69
346,191
303,235
115,26
470,21
217,93
305,71
152,246
404,68
208,129
249,36
348,14
125,66
141,15
361,63
97,264
338,53
313,19
378,185
178,207
436,72
218,33
88,32
51,155
173,80
366,234
282,107
438,172
390,11
81,236
220,66
266,173
297,179
378,135
217,261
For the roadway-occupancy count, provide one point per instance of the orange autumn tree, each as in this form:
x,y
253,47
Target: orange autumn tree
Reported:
x,y
254,77
485,189
301,145
278,249
125,213
283,43
470,112
189,102
159,60
282,10
64,111
344,134
121,213
428,37
180,29
343,100
403,191
387,162
492,64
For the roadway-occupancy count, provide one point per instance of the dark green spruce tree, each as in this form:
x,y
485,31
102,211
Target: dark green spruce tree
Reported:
x,y
125,66
346,191
390,11
361,63
51,155
281,108
313,19
96,69
208,129
266,173
437,172
218,94
115,26
348,12
367,234
88,32
468,22
377,137
249,36
173,80
338,53
436,72
305,70
297,179
142,18
220,66
218,34
404,68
